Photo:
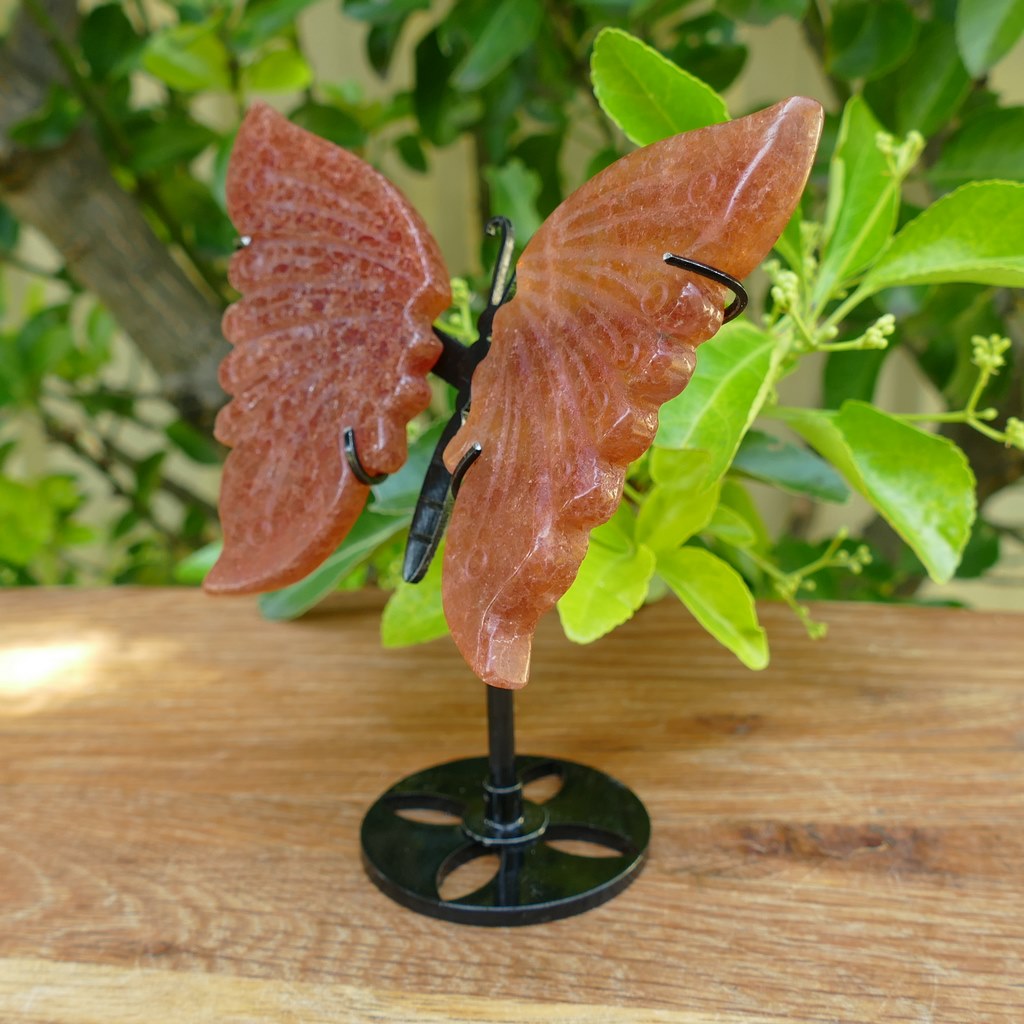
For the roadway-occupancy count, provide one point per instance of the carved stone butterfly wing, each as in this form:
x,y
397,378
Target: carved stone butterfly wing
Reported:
x,y
600,333
341,281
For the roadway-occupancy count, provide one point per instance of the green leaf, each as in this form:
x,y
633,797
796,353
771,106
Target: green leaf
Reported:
x,y
441,111
863,200
196,444
193,568
109,42
986,30
410,149
369,532
867,38
990,145
718,599
10,229
414,613
670,516
277,71
761,12
174,140
972,234
515,189
27,522
332,123
264,19
612,582
52,124
788,466
723,397
790,244
852,375
737,498
932,86
982,551
920,483
188,57
729,526
510,30
647,96
683,469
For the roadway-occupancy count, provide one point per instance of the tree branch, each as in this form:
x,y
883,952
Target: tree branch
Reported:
x,y
71,196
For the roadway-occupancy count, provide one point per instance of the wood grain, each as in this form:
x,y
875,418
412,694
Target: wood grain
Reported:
x,y
840,838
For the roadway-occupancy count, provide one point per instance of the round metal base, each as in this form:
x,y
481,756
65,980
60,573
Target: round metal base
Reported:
x,y
536,881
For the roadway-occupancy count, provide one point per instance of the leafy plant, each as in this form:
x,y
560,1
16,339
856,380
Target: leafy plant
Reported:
x,y
909,238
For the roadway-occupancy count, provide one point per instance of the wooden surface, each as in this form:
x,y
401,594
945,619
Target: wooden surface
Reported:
x,y
840,838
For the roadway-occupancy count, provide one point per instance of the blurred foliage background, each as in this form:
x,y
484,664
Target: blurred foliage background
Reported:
x,y
116,122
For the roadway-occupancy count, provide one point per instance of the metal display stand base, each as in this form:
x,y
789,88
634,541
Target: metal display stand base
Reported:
x,y
536,881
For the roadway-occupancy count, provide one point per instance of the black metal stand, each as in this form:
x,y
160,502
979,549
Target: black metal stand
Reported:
x,y
535,880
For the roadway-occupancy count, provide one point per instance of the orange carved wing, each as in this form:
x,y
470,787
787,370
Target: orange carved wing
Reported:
x,y
600,333
341,281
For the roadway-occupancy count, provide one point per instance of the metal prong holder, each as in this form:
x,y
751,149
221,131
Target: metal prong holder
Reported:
x,y
537,879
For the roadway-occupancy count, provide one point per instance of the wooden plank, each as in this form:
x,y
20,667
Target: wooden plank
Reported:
x,y
839,838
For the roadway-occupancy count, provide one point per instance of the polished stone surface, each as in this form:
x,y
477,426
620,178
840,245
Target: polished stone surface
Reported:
x,y
600,333
341,281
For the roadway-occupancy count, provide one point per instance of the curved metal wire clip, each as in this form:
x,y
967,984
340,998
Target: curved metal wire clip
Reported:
x,y
737,305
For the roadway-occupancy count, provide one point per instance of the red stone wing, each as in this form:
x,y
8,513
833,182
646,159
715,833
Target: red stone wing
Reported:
x,y
600,333
341,281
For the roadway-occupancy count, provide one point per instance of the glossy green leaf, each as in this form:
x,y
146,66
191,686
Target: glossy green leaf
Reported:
x,y
10,229
188,57
26,522
414,613
853,375
719,600
277,71
932,86
867,38
789,466
986,30
737,498
982,551
193,568
670,516
863,200
612,582
196,444
369,532
332,123
990,145
726,392
515,189
920,483
109,42
509,32
647,96
729,526
972,234
683,469
173,140
789,244
263,19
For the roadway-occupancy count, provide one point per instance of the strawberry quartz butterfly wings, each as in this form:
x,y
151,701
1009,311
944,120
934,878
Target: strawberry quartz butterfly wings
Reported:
x,y
341,281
